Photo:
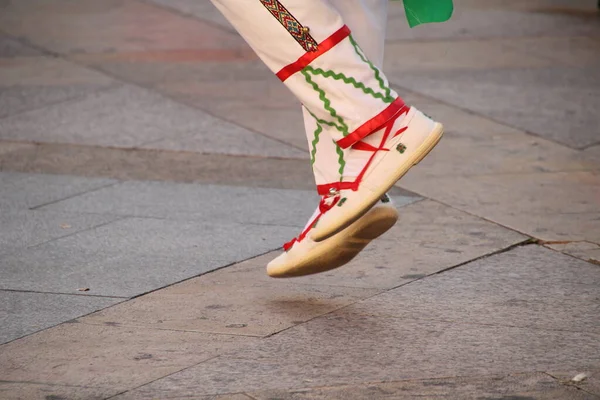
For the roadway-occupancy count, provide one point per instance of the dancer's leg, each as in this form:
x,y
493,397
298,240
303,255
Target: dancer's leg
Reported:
x,y
307,44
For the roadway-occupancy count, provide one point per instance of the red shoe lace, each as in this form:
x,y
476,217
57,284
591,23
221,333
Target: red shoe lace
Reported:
x,y
323,208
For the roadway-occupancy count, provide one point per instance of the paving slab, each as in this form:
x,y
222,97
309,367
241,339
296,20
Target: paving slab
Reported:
x,y
157,165
12,48
203,10
340,348
117,25
467,54
585,250
25,228
130,117
528,286
225,302
428,238
549,206
151,69
574,51
41,391
134,255
109,358
23,313
489,20
276,114
555,103
22,191
537,386
209,203
590,383
29,83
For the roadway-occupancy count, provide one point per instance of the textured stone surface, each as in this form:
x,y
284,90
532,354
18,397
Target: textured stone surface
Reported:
x,y
113,358
129,117
341,348
474,54
156,165
585,250
12,48
19,191
40,391
132,256
428,238
537,386
549,206
199,9
29,83
528,286
590,384
24,228
23,313
476,19
198,202
555,103
114,26
225,302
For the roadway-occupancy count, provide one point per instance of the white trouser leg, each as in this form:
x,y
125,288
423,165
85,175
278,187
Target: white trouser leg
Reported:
x,y
367,20
308,44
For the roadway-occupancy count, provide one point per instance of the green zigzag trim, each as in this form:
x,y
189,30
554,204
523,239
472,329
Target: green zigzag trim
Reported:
x,y
386,89
343,128
341,160
313,152
348,80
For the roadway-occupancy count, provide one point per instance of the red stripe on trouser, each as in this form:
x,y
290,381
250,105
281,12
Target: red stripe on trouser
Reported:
x,y
309,57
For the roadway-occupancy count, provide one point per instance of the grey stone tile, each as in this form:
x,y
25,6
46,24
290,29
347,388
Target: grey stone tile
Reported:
x,y
24,228
427,238
28,83
493,20
585,250
560,206
21,191
537,386
555,103
563,51
204,10
528,286
51,25
12,48
590,384
347,348
18,99
133,256
41,391
23,313
198,202
112,358
228,302
129,117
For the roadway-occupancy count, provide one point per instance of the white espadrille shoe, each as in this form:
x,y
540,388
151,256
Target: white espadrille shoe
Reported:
x,y
401,147
303,256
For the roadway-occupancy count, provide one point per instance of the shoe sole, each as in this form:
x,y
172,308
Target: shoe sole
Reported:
x,y
382,183
341,248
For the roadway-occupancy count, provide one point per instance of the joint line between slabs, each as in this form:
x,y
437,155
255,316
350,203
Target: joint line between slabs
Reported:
x,y
64,294
151,89
478,114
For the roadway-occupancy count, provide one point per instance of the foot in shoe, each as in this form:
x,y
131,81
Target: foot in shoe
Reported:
x,y
303,256
394,149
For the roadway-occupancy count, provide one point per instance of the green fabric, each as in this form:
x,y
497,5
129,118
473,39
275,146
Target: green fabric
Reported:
x,y
426,11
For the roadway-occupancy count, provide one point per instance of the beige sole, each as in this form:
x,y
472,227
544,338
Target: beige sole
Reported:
x,y
380,184
341,248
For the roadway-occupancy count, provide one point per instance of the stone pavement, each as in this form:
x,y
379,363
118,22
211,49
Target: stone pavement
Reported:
x,y
150,167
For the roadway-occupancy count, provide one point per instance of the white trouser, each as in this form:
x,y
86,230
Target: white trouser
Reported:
x,y
329,54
